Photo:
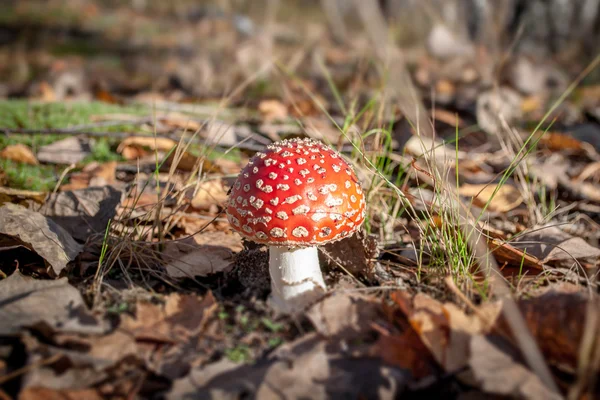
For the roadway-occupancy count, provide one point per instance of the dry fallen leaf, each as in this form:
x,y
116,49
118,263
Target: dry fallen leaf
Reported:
x,y
498,373
185,260
552,245
19,153
26,302
93,174
209,193
272,110
505,199
342,314
41,393
444,328
21,197
22,227
148,142
308,368
168,335
84,212
180,317
66,151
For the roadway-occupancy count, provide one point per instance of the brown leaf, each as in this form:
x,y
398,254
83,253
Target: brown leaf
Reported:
x,y
498,373
19,153
187,260
83,212
505,253
168,335
505,199
21,197
179,318
343,315
66,151
230,240
308,368
552,245
22,227
272,110
405,350
209,193
444,328
26,302
559,142
93,174
557,321
40,393
147,142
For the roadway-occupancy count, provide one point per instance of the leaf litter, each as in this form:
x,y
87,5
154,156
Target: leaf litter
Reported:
x,y
126,281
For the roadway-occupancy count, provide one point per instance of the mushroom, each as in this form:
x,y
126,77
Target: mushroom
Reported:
x,y
297,195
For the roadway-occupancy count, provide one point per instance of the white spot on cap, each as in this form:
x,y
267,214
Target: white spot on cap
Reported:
x,y
239,199
246,228
268,210
332,202
292,199
301,161
304,172
246,187
272,175
267,188
336,168
301,210
261,235
300,232
318,215
269,162
277,232
310,180
297,181
350,214
281,165
238,184
358,189
347,184
321,170
274,201
282,215
311,196
287,154
254,170
336,217
353,198
259,183
234,221
257,203
283,186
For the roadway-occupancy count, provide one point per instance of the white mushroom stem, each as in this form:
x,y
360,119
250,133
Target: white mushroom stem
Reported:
x,y
296,279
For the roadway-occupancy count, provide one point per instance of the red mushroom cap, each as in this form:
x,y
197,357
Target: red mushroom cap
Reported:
x,y
298,193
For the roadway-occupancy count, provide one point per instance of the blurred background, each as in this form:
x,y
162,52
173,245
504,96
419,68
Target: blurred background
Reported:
x,y
194,50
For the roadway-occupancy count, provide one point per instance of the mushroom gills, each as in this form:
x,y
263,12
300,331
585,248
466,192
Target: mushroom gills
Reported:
x,y
296,278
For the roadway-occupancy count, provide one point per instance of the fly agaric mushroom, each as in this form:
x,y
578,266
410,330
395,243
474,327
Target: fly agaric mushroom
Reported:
x,y
297,195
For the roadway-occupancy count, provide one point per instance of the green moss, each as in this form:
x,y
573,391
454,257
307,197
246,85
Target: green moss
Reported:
x,y
29,177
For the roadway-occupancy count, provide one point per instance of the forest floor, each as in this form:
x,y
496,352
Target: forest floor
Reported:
x,y
474,275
